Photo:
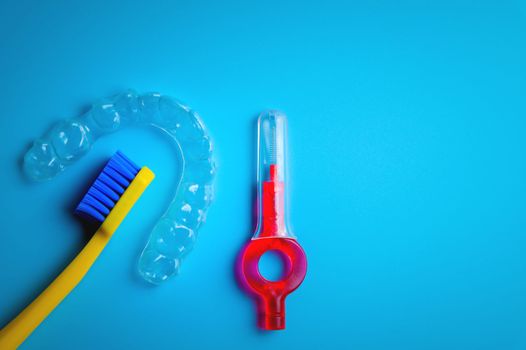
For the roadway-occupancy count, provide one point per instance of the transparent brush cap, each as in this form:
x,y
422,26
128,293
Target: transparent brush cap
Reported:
x,y
272,176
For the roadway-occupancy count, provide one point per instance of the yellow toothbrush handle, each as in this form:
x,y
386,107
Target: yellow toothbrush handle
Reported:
x,y
14,334
23,325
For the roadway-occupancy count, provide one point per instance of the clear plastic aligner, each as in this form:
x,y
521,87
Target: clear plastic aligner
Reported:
x,y
175,233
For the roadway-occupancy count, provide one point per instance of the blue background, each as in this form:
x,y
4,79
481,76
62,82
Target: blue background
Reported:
x,y
407,138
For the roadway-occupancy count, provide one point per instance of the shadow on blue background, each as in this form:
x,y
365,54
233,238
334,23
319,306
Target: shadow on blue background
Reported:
x,y
407,130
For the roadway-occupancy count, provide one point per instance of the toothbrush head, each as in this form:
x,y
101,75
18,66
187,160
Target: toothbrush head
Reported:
x,y
118,186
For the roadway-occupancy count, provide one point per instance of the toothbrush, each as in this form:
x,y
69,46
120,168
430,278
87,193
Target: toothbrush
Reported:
x,y
108,201
272,233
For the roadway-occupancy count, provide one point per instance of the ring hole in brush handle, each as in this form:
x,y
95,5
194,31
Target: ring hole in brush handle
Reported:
x,y
271,294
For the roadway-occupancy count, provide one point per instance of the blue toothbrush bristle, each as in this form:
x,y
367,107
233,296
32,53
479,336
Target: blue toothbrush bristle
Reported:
x,y
111,183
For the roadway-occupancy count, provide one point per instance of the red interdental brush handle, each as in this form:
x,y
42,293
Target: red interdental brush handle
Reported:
x,y
273,236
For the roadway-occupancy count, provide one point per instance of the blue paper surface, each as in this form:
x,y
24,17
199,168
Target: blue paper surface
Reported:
x,y
407,124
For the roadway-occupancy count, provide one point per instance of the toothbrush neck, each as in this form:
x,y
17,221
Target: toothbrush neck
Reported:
x,y
273,208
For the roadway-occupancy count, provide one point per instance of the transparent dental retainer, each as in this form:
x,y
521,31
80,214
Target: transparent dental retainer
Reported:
x,y
174,235
272,231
